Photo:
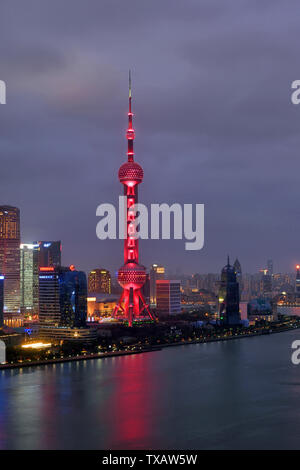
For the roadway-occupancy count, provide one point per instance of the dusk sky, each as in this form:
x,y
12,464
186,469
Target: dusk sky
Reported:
x,y
213,118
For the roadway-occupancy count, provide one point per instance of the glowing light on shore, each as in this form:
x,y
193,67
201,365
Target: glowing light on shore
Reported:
x,y
39,345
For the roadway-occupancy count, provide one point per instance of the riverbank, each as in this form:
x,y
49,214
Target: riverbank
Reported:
x,y
85,357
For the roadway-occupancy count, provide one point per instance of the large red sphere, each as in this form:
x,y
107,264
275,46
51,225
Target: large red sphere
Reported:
x,y
132,275
131,171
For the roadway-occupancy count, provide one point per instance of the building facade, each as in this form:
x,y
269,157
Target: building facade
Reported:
x,y
10,257
49,253
168,297
29,279
229,298
156,273
99,281
63,297
101,306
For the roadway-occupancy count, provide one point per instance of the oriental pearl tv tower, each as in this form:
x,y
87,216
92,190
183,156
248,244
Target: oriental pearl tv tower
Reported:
x,y
132,275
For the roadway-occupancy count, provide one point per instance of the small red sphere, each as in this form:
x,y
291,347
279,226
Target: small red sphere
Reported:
x,y
130,134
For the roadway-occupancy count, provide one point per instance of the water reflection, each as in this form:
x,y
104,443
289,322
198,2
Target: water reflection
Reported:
x,y
236,394
130,404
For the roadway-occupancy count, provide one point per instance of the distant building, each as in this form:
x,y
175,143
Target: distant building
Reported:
x,y
63,294
156,273
260,309
10,257
99,282
49,253
238,272
168,297
29,279
229,297
265,283
270,266
297,283
146,289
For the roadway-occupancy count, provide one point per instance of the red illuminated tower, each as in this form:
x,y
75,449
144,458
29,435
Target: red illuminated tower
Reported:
x,y
132,275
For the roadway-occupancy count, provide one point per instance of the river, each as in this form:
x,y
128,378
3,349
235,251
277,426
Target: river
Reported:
x,y
241,394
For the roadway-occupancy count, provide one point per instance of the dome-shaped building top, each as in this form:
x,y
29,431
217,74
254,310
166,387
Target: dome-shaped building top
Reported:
x,y
131,171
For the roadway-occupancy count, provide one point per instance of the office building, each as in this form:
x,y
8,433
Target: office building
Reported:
x,y
29,279
49,253
10,257
270,266
229,298
265,283
168,297
146,289
156,273
99,282
63,294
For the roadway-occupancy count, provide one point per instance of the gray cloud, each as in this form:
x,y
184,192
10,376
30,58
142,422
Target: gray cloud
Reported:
x,y
214,122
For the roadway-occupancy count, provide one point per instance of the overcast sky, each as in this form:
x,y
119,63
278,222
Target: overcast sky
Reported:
x,y
213,117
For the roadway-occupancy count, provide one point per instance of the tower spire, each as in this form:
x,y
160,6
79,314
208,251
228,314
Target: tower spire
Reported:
x,y
130,130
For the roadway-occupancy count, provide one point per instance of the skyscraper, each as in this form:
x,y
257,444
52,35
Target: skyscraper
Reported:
x,y
157,272
265,283
49,253
63,297
270,266
29,278
10,257
132,275
168,297
229,298
238,270
99,281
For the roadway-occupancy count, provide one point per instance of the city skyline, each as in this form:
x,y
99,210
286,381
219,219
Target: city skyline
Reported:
x,y
231,138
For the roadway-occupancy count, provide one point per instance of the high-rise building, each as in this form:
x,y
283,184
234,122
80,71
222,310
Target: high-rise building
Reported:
x,y
229,299
265,283
99,281
10,257
1,300
29,279
156,273
238,272
146,289
237,269
63,297
270,266
132,275
168,297
49,253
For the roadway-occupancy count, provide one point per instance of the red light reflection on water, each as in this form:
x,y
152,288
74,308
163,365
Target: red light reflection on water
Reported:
x,y
129,410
